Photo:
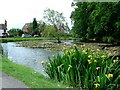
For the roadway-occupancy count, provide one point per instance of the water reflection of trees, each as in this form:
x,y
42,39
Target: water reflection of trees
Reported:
x,y
3,50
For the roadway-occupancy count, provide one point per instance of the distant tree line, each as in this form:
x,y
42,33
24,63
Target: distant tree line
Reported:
x,y
15,32
53,25
96,20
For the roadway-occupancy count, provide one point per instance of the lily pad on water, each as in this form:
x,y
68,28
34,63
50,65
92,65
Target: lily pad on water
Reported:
x,y
52,45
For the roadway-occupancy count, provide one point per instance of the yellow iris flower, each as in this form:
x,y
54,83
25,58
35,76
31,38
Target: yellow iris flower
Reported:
x,y
110,75
89,61
97,85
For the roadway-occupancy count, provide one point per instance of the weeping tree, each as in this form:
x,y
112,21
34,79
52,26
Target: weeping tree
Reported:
x,y
56,19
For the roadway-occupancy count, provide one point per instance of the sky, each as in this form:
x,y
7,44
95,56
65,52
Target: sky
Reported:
x,y
19,12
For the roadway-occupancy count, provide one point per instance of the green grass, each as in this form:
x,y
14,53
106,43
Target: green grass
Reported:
x,y
20,39
28,76
17,39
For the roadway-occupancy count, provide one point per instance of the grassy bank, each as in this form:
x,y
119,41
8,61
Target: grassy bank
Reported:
x,y
28,76
28,39
20,39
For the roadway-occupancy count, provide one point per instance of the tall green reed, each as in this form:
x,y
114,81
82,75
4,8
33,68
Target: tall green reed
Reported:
x,y
84,68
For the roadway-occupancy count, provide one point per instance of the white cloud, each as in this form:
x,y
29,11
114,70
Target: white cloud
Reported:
x,y
18,12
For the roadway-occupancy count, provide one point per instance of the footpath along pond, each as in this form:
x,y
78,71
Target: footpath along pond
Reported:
x,y
27,56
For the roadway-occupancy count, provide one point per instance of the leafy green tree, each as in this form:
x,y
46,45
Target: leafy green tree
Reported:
x,y
12,32
53,17
35,29
81,18
15,32
104,19
35,25
41,27
56,19
95,20
19,32
49,31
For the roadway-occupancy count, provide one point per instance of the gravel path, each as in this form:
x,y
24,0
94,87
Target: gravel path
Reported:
x,y
7,81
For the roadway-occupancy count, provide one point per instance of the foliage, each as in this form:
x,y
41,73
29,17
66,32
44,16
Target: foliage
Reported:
x,y
57,20
84,69
35,30
41,26
15,32
49,31
35,25
53,17
94,20
38,27
108,39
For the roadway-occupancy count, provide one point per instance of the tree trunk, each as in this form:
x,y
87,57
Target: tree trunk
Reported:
x,y
59,40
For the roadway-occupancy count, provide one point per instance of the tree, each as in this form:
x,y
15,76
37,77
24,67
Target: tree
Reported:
x,y
15,32
56,19
41,27
19,32
35,25
95,20
49,31
53,18
104,19
35,29
81,18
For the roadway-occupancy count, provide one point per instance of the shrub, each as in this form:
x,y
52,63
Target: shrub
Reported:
x,y
104,39
84,68
108,39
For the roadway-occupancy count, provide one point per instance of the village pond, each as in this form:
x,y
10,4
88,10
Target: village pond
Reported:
x,y
32,53
31,57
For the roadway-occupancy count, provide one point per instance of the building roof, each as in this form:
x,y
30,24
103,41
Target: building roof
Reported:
x,y
1,26
26,26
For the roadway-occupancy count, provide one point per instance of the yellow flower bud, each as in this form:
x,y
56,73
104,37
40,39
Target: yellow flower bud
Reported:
x,y
97,68
89,61
64,45
98,49
115,61
97,85
42,62
53,56
74,45
109,54
95,60
103,56
88,48
84,51
90,56
110,75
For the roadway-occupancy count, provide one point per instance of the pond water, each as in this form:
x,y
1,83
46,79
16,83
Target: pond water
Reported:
x,y
31,57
